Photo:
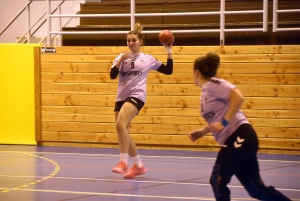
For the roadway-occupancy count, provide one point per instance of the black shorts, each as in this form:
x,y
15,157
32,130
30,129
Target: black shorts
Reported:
x,y
134,101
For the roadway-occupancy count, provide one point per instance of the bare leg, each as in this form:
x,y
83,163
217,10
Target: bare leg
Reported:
x,y
132,148
123,120
126,143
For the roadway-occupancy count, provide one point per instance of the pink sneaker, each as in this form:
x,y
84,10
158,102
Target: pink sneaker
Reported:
x,y
120,168
135,171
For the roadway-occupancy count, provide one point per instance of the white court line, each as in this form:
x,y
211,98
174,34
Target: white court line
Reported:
x,y
146,156
151,182
130,195
139,181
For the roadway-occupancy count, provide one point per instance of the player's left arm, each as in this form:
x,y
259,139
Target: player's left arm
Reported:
x,y
169,49
166,69
236,100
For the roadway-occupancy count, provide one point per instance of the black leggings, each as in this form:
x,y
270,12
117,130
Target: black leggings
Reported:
x,y
238,157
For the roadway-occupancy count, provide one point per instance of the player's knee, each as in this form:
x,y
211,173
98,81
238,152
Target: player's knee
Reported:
x,y
120,126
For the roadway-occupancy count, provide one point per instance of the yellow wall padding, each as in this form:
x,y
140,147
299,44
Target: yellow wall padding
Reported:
x,y
17,115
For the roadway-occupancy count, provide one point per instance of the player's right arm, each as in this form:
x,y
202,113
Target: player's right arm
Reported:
x,y
114,70
194,135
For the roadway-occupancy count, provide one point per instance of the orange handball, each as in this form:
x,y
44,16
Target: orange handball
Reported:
x,y
165,37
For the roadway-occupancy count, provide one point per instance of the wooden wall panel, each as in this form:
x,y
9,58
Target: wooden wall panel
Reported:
x,y
244,68
242,58
169,89
37,94
77,97
180,78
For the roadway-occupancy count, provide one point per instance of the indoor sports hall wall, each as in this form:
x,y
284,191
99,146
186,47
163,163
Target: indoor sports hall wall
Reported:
x,y
78,97
17,87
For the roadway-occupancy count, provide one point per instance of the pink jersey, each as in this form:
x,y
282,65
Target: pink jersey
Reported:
x,y
214,102
133,74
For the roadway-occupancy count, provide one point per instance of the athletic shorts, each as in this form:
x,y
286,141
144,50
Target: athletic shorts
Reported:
x,y
134,101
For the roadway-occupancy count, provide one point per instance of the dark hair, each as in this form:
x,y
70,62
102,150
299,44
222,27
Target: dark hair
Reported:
x,y
137,30
207,65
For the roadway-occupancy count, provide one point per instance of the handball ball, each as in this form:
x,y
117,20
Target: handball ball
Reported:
x,y
165,37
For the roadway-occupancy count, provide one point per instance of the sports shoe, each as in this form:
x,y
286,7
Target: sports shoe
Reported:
x,y
135,171
120,168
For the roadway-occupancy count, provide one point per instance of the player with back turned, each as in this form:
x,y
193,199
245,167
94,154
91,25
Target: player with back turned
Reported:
x,y
133,67
220,107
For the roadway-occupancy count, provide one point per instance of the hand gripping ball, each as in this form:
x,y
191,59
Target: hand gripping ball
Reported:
x,y
165,37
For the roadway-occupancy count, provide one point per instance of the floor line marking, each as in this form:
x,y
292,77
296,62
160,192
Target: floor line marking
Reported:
x,y
146,181
131,195
43,179
147,156
263,171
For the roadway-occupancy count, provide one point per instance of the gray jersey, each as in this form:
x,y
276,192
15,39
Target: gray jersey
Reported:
x,y
214,102
133,74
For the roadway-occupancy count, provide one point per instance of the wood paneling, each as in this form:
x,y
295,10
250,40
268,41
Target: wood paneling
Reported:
x,y
251,113
180,78
268,49
241,58
169,89
245,68
168,101
77,97
37,94
151,139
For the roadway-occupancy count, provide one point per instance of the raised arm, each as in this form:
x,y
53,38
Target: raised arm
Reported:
x,y
168,68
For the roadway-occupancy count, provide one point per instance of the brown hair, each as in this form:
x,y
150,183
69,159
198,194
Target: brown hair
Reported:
x,y
137,30
207,65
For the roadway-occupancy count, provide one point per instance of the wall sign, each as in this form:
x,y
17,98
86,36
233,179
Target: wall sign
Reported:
x,y
48,50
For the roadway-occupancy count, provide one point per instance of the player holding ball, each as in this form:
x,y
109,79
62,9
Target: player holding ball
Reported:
x,y
133,67
166,37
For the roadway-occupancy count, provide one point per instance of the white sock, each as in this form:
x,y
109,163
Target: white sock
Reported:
x,y
137,160
123,157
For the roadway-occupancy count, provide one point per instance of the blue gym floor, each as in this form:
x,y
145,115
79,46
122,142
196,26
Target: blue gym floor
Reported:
x,y
32,173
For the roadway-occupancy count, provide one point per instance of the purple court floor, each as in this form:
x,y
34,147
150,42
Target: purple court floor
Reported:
x,y
31,173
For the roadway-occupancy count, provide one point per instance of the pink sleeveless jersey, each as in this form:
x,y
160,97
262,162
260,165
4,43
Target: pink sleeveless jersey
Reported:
x,y
133,74
214,105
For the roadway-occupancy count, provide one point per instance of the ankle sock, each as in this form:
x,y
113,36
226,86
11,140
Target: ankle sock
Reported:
x,y
137,160
123,157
